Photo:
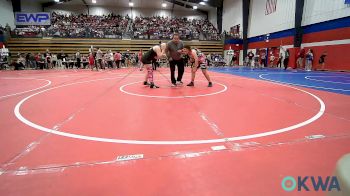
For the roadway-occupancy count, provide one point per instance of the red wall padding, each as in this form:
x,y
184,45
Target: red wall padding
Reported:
x,y
293,57
233,47
330,35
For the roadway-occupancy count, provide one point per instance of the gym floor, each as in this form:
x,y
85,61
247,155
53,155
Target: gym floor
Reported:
x,y
70,132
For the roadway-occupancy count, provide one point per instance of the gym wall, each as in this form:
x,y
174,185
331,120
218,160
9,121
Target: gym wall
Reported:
x,y
326,27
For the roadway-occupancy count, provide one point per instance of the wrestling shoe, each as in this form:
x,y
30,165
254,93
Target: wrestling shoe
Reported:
x,y
145,83
190,84
153,86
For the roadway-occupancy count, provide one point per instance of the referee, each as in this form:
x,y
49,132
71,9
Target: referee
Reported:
x,y
174,48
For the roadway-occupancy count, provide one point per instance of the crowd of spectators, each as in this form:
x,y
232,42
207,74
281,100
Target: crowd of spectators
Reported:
x,y
87,25
2,30
157,27
96,57
163,27
78,26
61,60
113,26
232,35
208,29
5,29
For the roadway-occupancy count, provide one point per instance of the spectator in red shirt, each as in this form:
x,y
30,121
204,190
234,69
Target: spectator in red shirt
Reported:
x,y
117,59
37,59
91,61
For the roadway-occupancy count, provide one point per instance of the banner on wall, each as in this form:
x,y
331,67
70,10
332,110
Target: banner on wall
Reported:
x,y
347,1
39,18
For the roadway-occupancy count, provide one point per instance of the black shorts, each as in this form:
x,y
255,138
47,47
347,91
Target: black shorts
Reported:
x,y
146,61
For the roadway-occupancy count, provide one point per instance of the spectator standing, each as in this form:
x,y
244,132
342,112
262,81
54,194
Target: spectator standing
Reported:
x,y
37,59
27,59
286,57
109,58
263,59
300,58
99,57
250,59
279,62
234,59
54,60
257,60
117,58
59,59
92,61
78,58
309,60
42,61
321,61
84,60
122,60
64,59
48,61
272,59
32,61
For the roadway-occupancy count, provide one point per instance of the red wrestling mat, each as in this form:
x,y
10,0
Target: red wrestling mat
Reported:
x,y
65,132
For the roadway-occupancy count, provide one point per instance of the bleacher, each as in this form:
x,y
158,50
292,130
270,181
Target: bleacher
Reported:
x,y
71,45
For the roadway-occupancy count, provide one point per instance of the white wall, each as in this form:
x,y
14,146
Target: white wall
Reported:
x,y
100,10
316,11
212,17
31,6
232,14
282,19
6,16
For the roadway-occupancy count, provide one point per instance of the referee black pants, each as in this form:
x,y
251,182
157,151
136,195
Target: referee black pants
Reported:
x,y
180,69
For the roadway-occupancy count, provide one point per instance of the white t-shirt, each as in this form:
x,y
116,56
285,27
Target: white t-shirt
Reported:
x,y
99,55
